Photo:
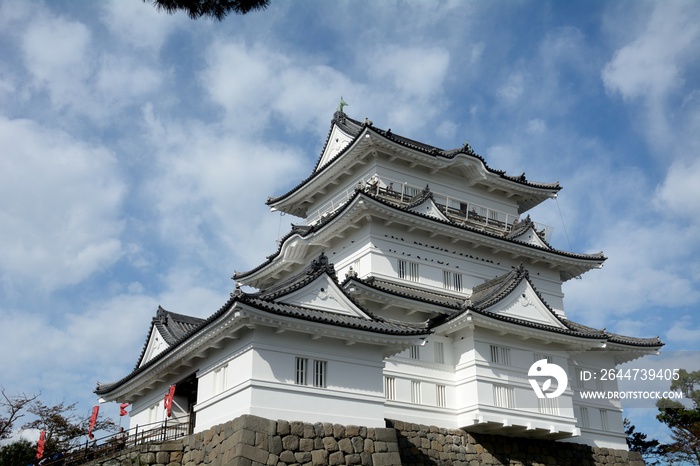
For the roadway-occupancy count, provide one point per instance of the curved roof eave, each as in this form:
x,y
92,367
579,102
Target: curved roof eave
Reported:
x,y
598,258
464,153
272,311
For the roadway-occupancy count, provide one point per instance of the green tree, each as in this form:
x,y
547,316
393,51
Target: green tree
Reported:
x,y
65,428
18,453
683,420
218,9
650,449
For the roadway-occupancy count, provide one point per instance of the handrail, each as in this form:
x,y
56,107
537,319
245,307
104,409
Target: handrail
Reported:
x,y
112,443
458,210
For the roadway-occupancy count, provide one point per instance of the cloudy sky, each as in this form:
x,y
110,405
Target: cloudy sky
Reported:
x,y
137,150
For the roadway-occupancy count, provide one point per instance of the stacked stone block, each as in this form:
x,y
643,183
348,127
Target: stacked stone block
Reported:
x,y
254,441
423,445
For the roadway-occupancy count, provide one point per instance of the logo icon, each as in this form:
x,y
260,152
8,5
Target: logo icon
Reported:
x,y
542,368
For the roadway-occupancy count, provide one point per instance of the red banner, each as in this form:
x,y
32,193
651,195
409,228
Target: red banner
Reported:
x,y
93,420
122,409
168,401
40,445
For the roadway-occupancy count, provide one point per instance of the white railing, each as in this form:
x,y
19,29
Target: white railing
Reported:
x,y
458,210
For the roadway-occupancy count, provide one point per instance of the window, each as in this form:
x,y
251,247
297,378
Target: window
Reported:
x,y
439,352
318,377
503,396
414,352
539,356
415,392
585,423
301,370
548,405
408,270
604,419
451,280
390,388
440,396
500,355
320,374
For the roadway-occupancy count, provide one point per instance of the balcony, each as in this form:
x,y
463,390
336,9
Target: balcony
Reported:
x,y
461,212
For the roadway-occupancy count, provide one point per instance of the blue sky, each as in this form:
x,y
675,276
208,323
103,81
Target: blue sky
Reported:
x,y
137,150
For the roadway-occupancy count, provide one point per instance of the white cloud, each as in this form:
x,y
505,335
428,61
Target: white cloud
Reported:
x,y
650,65
684,330
647,243
210,191
58,55
296,91
61,220
140,24
679,193
512,89
536,126
121,78
413,72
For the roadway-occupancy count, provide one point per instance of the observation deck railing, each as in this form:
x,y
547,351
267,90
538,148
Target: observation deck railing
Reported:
x,y
459,211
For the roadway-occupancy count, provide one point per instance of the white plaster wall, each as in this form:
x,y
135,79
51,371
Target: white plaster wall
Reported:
x,y
148,411
260,380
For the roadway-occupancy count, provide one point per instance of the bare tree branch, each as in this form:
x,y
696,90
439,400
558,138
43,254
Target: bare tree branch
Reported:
x,y
11,409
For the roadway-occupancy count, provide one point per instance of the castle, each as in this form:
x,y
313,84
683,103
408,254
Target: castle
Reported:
x,y
415,287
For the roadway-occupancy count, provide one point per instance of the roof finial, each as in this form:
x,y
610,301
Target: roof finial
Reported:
x,y
342,104
351,273
467,148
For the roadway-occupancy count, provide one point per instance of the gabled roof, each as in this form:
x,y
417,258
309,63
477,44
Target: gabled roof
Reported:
x,y
590,260
428,152
424,203
171,327
525,232
485,298
270,306
451,303
174,326
484,301
355,127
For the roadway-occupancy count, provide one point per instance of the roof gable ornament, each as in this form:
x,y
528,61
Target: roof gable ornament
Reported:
x,y
322,264
351,273
237,292
423,203
525,231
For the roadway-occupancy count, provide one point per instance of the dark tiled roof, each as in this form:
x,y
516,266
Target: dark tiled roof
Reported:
x,y
309,229
408,292
171,326
174,326
491,292
522,227
333,318
106,388
304,277
354,128
181,327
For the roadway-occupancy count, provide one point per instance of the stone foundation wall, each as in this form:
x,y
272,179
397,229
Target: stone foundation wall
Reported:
x,y
254,441
430,445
